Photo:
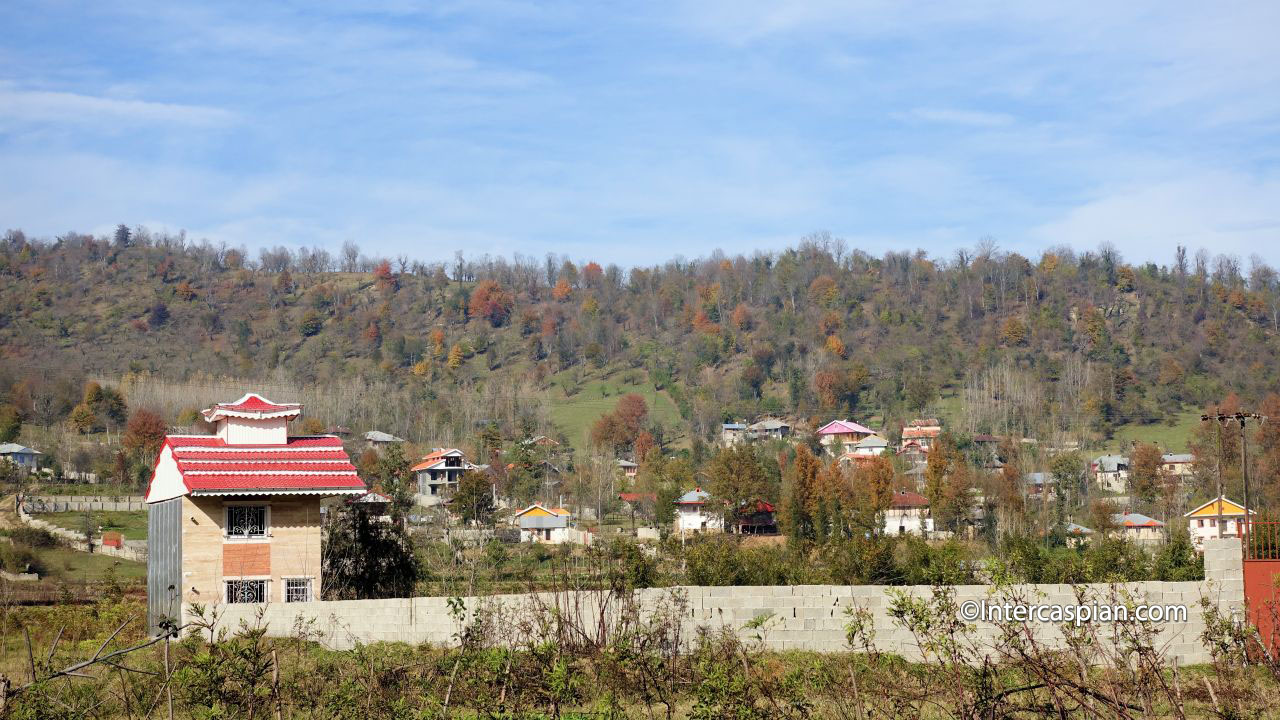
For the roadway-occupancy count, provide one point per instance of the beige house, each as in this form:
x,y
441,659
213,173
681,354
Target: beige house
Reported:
x,y
235,517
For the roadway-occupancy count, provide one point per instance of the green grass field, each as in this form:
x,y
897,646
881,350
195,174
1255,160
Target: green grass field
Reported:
x,y
598,394
72,565
132,524
1173,438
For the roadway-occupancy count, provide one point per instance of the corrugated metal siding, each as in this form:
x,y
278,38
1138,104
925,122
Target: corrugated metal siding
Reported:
x,y
164,562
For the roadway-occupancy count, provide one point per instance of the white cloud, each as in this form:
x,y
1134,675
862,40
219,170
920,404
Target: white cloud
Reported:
x,y
46,106
1223,211
952,116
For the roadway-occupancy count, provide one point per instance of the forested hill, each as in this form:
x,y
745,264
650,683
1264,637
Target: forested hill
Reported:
x,y
1077,342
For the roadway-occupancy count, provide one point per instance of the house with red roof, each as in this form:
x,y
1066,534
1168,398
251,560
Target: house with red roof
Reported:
x,y
908,512
438,474
235,516
921,433
1138,528
839,436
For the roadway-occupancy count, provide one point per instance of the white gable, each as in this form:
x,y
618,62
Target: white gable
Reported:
x,y
166,481
254,431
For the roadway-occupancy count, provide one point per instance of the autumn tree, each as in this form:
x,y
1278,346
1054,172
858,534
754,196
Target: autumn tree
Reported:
x,y
144,434
801,493
83,419
619,429
1146,472
873,480
491,302
385,278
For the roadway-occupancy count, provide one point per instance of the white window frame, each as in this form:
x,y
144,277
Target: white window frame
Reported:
x,y
226,522
311,587
226,589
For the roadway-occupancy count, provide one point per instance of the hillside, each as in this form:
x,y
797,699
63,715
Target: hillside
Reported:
x,y
1072,345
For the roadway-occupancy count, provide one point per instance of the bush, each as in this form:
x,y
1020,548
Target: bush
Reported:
x,y
34,537
19,559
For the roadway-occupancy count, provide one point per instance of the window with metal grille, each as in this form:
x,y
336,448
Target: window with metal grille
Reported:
x,y
297,590
246,591
246,521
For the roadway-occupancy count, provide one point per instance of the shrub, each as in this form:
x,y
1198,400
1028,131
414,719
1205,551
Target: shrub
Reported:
x,y
34,537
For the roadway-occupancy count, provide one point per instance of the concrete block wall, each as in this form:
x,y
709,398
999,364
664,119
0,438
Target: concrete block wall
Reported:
x,y
801,617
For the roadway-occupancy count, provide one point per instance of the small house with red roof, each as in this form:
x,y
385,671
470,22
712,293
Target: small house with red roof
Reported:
x,y
1138,528
908,512
839,436
438,474
919,435
235,517
756,518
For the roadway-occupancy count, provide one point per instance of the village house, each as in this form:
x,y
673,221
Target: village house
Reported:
x,y
868,447
1038,485
1077,534
1111,472
908,513
732,433
1179,465
920,433
540,524
22,456
837,436
235,517
628,468
756,518
1138,528
438,474
692,514
768,429
1202,522
378,440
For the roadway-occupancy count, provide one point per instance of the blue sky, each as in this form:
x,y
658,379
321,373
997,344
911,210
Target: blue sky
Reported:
x,y
634,132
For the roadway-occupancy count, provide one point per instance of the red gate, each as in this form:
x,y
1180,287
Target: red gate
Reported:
x,y
1261,575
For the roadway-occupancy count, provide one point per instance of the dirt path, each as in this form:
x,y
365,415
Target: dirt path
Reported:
x,y
8,516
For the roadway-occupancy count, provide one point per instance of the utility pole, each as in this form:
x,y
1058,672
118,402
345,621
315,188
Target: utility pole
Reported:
x,y
1243,418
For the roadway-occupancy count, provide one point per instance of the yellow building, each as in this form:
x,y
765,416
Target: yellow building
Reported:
x,y
1202,522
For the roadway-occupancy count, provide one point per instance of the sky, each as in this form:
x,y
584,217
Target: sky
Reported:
x,y
638,132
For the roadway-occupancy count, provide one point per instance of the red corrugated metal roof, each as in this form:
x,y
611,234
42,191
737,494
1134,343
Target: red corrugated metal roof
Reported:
x,y
213,442
905,499
209,464
253,402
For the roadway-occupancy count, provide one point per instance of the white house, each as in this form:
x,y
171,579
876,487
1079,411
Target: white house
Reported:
x,y
837,434
1202,522
733,433
1179,465
1137,527
20,455
628,468
870,446
1111,472
539,524
693,515
908,513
